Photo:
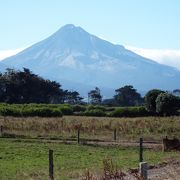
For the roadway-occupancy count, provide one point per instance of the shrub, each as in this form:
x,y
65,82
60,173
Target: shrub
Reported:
x,y
78,108
150,99
66,109
95,112
109,109
43,112
91,107
130,112
166,104
10,111
29,110
119,112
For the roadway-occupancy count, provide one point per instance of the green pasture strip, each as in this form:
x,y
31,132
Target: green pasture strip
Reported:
x,y
21,159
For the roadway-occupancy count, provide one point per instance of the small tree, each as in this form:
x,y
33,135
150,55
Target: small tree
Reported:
x,y
127,96
73,97
166,104
94,96
150,99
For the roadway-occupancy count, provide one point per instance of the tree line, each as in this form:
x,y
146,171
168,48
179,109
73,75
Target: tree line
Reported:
x,y
21,87
124,96
25,87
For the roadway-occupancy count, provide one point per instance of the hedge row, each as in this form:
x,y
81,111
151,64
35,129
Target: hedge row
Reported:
x,y
41,110
58,110
139,111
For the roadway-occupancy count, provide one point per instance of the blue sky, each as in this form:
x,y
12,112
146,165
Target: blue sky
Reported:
x,y
146,24
141,23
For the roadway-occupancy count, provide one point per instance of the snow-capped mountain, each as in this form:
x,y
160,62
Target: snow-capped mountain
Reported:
x,y
78,59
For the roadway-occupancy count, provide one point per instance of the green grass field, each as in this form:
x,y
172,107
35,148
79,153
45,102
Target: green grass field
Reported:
x,y
28,159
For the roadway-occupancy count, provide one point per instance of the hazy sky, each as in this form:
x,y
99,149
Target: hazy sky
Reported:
x,y
148,24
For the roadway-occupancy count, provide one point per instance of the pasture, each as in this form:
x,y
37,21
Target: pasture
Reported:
x,y
28,159
25,142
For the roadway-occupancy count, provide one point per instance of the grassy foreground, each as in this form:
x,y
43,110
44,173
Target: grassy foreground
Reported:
x,y
23,159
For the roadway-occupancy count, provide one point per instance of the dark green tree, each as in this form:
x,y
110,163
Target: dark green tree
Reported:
x,y
150,99
167,104
26,87
73,97
94,96
127,96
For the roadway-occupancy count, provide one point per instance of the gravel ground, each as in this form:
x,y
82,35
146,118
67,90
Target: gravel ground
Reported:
x,y
168,170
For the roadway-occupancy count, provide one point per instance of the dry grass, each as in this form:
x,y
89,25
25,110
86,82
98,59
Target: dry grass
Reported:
x,y
93,127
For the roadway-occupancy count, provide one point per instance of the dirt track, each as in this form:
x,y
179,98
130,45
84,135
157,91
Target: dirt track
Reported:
x,y
156,145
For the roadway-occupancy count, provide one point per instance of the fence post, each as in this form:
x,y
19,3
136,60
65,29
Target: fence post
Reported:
x,y
143,170
51,165
1,130
78,136
164,144
115,134
141,149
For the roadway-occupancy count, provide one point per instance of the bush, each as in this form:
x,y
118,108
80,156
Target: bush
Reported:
x,y
166,104
91,107
95,112
42,112
9,111
78,108
119,112
29,110
150,99
130,112
109,109
66,109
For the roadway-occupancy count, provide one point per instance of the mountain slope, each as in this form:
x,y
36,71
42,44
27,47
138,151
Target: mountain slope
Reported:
x,y
76,58
3,67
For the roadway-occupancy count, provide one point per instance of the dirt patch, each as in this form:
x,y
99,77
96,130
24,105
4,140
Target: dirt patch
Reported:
x,y
169,169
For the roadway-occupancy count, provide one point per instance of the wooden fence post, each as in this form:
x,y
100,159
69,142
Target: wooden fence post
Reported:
x,y
78,136
165,144
115,134
51,165
1,130
141,149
